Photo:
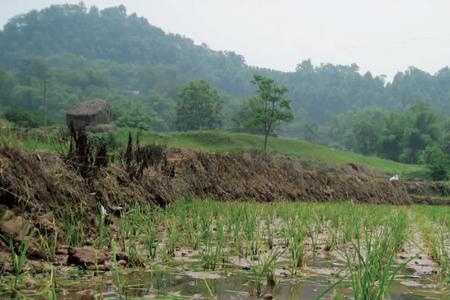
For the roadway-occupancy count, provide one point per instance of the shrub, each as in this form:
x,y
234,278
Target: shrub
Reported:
x,y
23,118
437,163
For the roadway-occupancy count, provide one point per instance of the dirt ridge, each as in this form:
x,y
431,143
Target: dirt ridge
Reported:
x,y
44,181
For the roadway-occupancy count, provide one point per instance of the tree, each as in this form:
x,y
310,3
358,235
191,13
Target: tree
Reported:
x,y
365,137
437,162
310,131
243,118
273,108
7,83
199,107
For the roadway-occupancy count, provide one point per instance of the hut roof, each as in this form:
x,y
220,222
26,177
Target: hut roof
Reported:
x,y
88,108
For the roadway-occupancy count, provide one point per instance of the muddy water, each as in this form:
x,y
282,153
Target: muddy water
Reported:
x,y
187,281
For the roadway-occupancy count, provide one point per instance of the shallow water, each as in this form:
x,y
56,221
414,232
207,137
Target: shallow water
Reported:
x,y
182,281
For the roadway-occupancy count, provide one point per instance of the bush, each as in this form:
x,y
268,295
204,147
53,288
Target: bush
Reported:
x,y
107,139
23,118
437,163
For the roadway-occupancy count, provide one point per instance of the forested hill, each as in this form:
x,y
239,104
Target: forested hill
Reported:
x,y
107,53
142,54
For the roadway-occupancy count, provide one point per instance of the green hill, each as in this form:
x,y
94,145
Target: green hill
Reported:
x,y
89,50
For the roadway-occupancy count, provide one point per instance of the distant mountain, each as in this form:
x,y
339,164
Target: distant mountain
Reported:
x,y
136,56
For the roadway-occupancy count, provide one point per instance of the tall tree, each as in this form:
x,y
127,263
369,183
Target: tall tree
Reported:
x,y
199,107
274,109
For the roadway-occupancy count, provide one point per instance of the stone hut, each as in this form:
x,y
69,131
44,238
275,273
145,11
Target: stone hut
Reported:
x,y
93,115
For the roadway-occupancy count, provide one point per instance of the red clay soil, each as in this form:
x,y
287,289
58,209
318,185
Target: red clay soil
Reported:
x,y
41,182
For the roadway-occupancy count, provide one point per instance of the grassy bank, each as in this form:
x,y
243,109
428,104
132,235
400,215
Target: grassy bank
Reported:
x,y
227,142
231,142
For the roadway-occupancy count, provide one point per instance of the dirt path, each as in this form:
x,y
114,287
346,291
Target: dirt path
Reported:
x,y
421,270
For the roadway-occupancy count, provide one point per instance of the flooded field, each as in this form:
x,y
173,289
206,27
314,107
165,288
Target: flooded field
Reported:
x,y
204,249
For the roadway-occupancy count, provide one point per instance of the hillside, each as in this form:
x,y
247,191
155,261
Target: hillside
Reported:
x,y
221,142
129,54
233,143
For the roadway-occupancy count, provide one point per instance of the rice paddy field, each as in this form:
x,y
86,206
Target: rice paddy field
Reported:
x,y
205,249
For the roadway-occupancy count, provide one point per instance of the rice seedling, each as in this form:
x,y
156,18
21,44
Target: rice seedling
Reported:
x,y
205,224
193,232
50,288
49,243
251,232
74,225
116,271
442,251
213,250
296,240
122,234
18,258
263,269
434,226
332,238
208,288
313,235
370,261
150,238
172,236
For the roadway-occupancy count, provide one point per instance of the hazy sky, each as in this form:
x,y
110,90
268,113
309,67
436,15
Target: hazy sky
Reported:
x,y
383,36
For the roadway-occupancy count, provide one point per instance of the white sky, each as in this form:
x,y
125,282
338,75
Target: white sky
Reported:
x,y
383,36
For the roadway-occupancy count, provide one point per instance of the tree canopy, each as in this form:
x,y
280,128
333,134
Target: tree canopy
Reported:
x,y
199,107
271,108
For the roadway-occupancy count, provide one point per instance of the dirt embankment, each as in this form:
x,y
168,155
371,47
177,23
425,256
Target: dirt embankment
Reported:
x,y
41,182
429,192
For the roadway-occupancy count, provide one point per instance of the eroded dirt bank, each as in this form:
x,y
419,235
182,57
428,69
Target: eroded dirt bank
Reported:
x,y
41,182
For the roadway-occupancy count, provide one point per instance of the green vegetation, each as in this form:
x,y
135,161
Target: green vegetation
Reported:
x,y
39,74
198,108
224,142
435,227
23,118
371,259
437,162
272,109
166,90
300,149
268,238
399,136
18,259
